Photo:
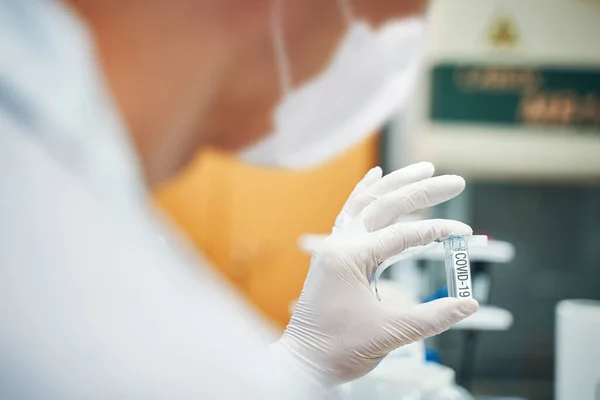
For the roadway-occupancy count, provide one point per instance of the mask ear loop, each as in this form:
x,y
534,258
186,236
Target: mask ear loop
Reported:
x,y
347,12
282,62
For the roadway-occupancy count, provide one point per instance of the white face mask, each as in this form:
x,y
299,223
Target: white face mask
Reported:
x,y
368,80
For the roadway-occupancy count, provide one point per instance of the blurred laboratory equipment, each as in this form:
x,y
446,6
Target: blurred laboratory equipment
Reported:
x,y
578,350
509,98
508,92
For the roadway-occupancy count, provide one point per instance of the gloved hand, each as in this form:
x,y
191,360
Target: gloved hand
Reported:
x,y
339,331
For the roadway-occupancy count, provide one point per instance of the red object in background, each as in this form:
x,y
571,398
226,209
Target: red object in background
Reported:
x,y
490,238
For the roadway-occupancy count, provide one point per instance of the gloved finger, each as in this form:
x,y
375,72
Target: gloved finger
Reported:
x,y
423,321
391,240
390,182
372,176
415,196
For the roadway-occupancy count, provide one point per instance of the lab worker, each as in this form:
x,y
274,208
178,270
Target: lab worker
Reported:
x,y
101,298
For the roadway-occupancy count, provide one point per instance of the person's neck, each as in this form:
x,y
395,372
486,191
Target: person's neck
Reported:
x,y
162,73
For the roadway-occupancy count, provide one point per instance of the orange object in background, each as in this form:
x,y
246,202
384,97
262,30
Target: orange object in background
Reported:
x,y
246,220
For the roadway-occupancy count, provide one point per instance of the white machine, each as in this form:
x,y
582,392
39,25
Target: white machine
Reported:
x,y
578,350
510,90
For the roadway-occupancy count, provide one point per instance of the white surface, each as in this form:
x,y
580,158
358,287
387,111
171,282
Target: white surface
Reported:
x,y
399,379
487,318
503,153
496,251
578,350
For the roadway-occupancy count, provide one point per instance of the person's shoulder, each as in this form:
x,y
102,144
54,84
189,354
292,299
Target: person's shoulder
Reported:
x,y
30,176
20,154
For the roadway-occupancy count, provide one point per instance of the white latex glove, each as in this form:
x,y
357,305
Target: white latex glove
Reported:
x,y
339,331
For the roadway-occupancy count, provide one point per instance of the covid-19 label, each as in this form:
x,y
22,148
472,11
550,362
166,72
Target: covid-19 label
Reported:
x,y
462,274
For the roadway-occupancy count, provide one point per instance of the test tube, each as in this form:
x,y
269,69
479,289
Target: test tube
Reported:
x,y
458,267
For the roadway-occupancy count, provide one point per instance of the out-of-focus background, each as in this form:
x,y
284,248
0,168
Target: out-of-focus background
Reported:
x,y
509,97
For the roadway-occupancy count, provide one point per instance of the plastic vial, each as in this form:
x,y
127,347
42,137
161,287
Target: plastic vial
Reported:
x,y
458,267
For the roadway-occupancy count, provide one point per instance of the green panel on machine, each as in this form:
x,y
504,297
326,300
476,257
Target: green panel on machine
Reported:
x,y
516,95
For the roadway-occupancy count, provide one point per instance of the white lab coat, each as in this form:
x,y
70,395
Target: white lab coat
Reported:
x,y
97,298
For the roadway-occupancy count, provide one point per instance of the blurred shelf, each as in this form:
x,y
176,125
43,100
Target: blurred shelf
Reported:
x,y
497,154
487,318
